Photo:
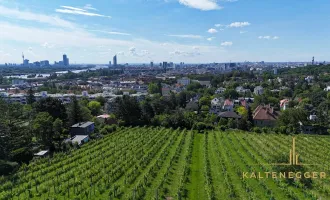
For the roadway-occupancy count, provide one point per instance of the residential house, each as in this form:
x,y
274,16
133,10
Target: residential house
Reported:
x,y
80,139
327,89
106,119
205,83
216,105
229,114
220,90
244,103
265,116
241,89
84,128
166,92
309,79
284,103
43,153
184,81
258,90
228,105
192,105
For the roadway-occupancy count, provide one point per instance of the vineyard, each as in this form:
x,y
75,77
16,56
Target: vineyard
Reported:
x,y
158,163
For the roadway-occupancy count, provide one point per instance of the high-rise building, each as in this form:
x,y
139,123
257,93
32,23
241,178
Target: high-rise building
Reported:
x,y
151,64
109,63
65,60
165,66
26,62
44,63
115,60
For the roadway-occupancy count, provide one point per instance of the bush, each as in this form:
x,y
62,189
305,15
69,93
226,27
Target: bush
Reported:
x,y
21,155
222,128
201,126
256,129
7,168
265,130
108,129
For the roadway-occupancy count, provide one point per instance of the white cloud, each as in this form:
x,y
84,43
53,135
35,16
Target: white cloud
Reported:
x,y
120,53
73,8
268,37
29,16
242,32
112,32
78,11
226,43
47,45
210,39
187,36
219,25
89,7
185,53
212,30
239,24
201,4
60,38
31,52
134,52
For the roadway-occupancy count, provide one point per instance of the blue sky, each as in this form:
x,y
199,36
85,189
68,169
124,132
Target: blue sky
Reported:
x,y
140,31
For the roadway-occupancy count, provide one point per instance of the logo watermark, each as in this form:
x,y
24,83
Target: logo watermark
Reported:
x,y
293,161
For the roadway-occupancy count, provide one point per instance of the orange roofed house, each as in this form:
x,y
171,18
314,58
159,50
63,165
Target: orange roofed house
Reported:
x,y
265,115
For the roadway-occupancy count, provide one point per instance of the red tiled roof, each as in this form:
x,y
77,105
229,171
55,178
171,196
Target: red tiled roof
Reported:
x,y
265,113
228,103
282,102
243,103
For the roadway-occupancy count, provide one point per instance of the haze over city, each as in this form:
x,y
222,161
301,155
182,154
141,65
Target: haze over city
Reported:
x,y
140,31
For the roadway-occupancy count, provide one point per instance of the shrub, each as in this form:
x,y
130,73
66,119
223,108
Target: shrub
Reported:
x,y
7,168
256,129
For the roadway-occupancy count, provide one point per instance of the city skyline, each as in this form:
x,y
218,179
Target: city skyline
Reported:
x,y
191,31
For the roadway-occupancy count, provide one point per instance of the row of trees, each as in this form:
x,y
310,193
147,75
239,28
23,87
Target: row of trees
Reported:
x,y
40,125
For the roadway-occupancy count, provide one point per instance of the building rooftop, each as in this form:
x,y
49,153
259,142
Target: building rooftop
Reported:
x,y
41,153
229,114
79,138
82,124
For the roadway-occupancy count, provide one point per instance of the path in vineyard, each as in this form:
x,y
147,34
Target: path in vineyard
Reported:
x,y
196,186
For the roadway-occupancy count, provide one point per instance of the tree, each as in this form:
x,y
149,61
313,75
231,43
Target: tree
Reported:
x,y
43,128
58,127
53,106
153,88
194,86
147,110
94,107
128,110
30,96
182,99
204,101
230,94
75,114
242,111
101,99
14,134
292,117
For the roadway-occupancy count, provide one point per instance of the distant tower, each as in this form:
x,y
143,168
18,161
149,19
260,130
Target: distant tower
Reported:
x,y
23,58
313,61
115,61
151,64
65,60
165,66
